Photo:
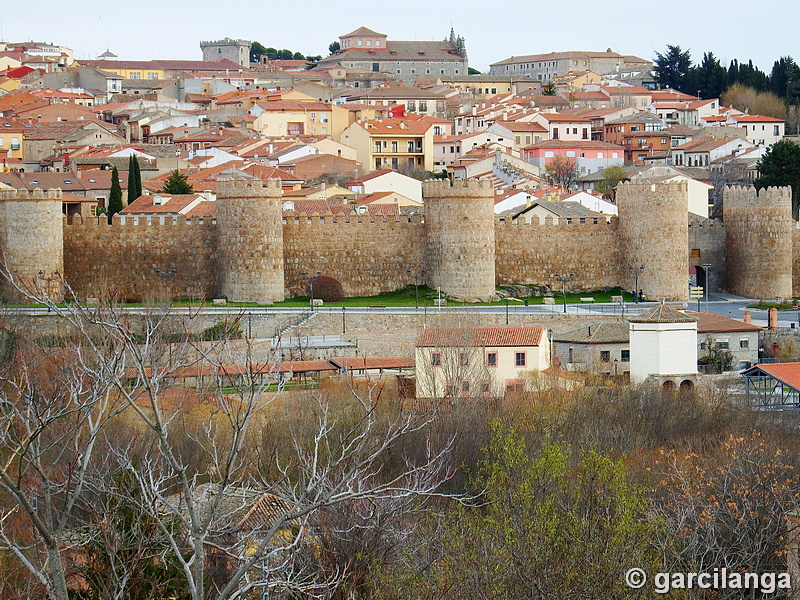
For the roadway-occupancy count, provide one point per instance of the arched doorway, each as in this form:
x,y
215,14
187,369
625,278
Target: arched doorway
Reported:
x,y
668,386
687,388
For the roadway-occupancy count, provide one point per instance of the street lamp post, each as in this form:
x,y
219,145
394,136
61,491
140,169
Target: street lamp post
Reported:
x,y
636,273
416,285
707,267
506,299
563,280
344,326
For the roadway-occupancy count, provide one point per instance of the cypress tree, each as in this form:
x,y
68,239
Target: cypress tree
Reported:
x,y
134,179
114,196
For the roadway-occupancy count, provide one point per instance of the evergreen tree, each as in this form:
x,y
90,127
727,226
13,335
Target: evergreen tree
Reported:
x,y
114,196
256,51
712,77
780,165
671,68
334,47
177,183
134,179
784,80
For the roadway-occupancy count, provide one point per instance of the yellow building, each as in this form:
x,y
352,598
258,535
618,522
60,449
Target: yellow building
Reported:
x,y
279,118
12,138
392,143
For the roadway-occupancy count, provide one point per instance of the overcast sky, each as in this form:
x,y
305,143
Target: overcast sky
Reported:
x,y
146,29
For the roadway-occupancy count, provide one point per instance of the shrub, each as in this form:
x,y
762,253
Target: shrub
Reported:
x,y
222,330
328,289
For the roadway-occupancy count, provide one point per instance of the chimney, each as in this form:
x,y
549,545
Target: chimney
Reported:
x,y
773,319
748,318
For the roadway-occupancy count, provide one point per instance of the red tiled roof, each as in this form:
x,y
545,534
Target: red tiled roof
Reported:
x,y
354,363
480,337
756,119
788,373
559,118
711,323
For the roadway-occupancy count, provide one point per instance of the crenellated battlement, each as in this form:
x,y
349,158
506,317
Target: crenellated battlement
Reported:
x,y
237,187
37,194
443,188
127,221
346,221
748,196
548,221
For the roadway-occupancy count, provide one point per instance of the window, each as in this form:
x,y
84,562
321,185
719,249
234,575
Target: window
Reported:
x,y
375,67
703,345
615,155
744,343
463,359
549,153
360,42
485,387
555,133
600,155
625,355
378,43
605,356
436,359
15,143
491,359
465,387
776,130
723,344
152,75
571,153
369,43
519,359
695,252
450,390
135,75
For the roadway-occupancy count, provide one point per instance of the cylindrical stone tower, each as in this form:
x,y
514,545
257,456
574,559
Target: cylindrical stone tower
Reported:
x,y
32,240
459,220
654,231
759,228
250,240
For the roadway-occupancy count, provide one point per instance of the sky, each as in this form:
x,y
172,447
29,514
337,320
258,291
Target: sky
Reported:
x,y
150,29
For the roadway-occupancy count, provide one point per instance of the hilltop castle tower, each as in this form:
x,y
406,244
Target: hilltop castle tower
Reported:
x,y
237,51
654,231
31,234
459,218
250,252
759,242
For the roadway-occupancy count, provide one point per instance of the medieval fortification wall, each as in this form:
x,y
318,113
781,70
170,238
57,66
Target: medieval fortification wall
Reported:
x,y
253,253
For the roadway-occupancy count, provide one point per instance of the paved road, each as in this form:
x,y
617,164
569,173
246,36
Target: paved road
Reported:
x,y
725,305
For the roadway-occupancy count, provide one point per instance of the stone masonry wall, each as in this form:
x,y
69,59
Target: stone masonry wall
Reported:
x,y
654,232
532,254
32,245
461,245
367,257
760,236
707,245
251,256
123,257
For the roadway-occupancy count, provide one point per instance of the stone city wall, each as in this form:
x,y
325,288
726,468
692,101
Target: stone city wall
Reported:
x,y
125,258
707,245
532,253
760,237
367,257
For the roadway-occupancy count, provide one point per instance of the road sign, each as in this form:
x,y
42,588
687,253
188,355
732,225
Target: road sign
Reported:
x,y
696,292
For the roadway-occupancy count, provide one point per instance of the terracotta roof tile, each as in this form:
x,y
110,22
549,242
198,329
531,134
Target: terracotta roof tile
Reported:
x,y
480,337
